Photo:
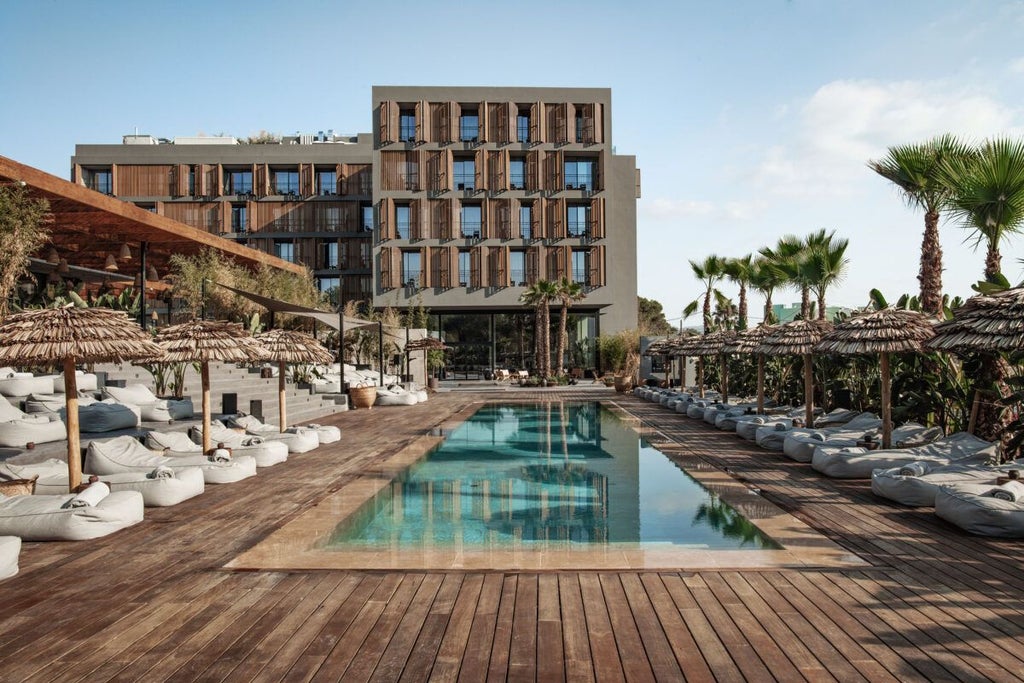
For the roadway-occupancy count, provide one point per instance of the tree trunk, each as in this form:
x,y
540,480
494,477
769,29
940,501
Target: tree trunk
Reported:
x,y
546,349
808,392
700,375
563,313
930,273
742,322
707,311
282,397
71,417
724,378
538,339
760,384
805,302
991,417
821,305
886,401
993,262
768,313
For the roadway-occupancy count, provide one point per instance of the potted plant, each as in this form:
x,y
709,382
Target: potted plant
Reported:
x,y
362,395
435,364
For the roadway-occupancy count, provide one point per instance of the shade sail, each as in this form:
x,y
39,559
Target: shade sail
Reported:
x,y
278,306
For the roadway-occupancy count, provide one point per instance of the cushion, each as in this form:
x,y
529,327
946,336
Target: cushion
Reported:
x,y
44,518
23,386
10,549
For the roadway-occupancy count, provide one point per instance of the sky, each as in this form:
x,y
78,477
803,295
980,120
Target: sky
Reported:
x,y
749,119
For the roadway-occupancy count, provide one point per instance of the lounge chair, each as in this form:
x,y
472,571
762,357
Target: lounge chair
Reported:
x,y
107,415
799,444
46,404
976,509
93,513
85,381
25,383
152,408
395,397
916,484
840,446
176,444
269,451
18,429
253,425
10,549
160,487
127,454
853,462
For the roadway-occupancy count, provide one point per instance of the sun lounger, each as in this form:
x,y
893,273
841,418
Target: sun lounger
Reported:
x,y
270,448
10,549
854,462
24,383
84,381
976,509
253,425
127,454
44,404
107,416
799,444
916,484
175,444
152,408
70,517
18,429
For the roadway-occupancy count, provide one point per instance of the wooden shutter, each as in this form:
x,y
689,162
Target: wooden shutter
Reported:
x,y
599,173
261,180
484,223
501,218
512,134
587,114
598,123
479,170
554,171
537,127
497,170
440,268
388,275
536,221
554,216
454,112
224,219
558,128
179,185
114,179
455,226
497,122
497,258
306,185
438,170
422,114
388,122
202,176
415,220
386,219
481,122
558,258
532,265
597,270
476,267
596,218
532,179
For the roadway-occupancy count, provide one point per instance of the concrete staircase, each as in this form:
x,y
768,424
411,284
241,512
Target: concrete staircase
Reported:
x,y
247,386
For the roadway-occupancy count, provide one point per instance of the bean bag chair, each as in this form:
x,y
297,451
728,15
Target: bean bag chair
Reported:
x,y
394,397
107,416
831,455
916,484
159,487
174,444
153,409
127,454
853,462
983,509
44,404
18,429
799,444
295,439
93,513
85,381
24,385
253,425
10,549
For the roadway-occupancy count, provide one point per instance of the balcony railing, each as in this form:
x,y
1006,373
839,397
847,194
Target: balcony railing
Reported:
x,y
411,278
518,277
579,229
471,228
580,276
578,181
464,277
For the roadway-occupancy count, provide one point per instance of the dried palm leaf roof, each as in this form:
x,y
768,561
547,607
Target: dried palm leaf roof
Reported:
x,y
292,346
794,338
889,330
712,343
209,340
92,335
747,341
991,323
426,344
659,347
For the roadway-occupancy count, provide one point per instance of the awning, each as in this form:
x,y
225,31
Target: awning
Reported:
x,y
278,306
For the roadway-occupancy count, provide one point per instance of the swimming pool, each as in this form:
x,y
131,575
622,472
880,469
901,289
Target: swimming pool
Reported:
x,y
541,477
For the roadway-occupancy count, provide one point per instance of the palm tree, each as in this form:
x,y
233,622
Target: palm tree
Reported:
x,y
539,296
766,277
567,292
824,264
916,170
788,256
740,271
709,271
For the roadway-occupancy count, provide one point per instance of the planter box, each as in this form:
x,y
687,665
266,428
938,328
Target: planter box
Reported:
x,y
362,397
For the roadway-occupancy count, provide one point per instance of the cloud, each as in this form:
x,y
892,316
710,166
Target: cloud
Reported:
x,y
664,209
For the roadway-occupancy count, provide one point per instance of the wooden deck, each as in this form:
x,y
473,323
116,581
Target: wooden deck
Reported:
x,y
154,603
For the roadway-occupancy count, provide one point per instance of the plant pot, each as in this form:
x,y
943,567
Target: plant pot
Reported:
x,y
623,384
432,383
362,397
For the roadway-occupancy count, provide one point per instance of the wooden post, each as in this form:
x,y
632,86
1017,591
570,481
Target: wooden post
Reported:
x,y
724,379
808,391
975,407
282,409
700,375
205,375
74,441
682,373
760,384
886,402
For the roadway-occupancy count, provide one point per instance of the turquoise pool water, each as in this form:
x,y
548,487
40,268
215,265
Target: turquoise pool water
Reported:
x,y
565,475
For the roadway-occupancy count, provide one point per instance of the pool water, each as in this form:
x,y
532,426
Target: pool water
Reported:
x,y
558,475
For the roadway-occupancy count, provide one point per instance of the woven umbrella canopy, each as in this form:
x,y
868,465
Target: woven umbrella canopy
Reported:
x,y
798,338
68,336
748,341
886,331
661,347
204,341
714,344
291,346
678,348
425,344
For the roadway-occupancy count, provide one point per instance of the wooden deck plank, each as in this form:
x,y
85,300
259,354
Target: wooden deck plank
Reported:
x,y
650,633
550,648
680,638
452,650
522,654
482,633
501,644
603,648
578,663
412,619
424,653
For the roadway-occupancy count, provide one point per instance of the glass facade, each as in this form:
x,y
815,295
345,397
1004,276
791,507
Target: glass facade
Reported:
x,y
286,182
407,125
464,171
402,221
525,220
577,220
517,174
326,183
469,126
470,218
238,182
579,174
517,268
411,268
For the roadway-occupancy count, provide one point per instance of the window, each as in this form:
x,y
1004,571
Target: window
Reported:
x,y
464,171
407,125
191,181
577,220
523,125
579,125
463,268
286,182
517,268
517,174
579,174
331,219
367,219
402,221
100,180
285,250
330,286
411,268
469,126
411,173
525,220
330,255
238,218
238,182
326,182
364,253
470,216
581,266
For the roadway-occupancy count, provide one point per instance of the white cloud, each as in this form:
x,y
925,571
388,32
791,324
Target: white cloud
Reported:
x,y
663,209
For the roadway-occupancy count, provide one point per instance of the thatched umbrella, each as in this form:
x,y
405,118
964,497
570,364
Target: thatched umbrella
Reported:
x,y
748,341
69,336
425,344
661,347
291,346
678,346
204,341
798,338
683,347
713,344
889,330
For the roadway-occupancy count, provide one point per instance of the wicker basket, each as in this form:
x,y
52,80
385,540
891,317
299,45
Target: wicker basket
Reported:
x,y
18,487
362,397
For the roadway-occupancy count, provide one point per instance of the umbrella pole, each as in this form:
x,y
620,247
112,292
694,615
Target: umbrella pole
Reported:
x,y
682,373
886,402
74,442
760,384
725,377
281,407
808,391
205,375
700,375
975,407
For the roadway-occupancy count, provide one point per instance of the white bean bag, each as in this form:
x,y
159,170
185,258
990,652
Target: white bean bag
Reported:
x,y
18,429
174,444
297,439
266,451
85,381
159,487
23,386
36,404
106,416
854,462
325,433
972,508
10,549
394,397
59,518
153,408
916,484
127,454
799,444
832,456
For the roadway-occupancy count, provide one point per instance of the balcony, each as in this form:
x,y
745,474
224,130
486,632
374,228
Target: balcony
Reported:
x,y
471,229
